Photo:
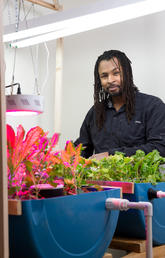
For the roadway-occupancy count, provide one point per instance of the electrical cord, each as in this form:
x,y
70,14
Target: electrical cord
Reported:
x,y
47,68
36,87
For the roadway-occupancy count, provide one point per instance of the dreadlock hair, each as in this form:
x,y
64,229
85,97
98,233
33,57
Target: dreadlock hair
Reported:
x,y
128,87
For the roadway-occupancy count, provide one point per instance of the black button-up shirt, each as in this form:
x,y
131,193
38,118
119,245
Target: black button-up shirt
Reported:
x,y
146,130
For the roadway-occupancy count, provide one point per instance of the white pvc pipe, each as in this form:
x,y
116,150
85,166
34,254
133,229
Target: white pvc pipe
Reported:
x,y
148,223
124,204
160,194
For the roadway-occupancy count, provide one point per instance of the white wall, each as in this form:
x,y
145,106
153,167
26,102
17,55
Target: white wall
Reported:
x,y
28,66
143,41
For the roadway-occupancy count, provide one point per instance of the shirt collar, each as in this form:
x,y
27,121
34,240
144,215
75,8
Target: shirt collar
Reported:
x,y
110,105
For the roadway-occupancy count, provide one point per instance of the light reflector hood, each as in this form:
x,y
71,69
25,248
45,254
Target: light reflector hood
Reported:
x,y
24,104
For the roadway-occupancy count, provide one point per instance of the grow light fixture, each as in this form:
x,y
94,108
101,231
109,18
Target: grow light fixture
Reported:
x,y
24,105
73,21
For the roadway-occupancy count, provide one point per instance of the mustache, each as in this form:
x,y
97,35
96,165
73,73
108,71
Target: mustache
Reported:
x,y
112,86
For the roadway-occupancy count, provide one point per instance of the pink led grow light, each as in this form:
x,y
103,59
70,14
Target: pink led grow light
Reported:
x,y
24,105
21,113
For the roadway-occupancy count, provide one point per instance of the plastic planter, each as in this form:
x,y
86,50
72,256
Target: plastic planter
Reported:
x,y
64,227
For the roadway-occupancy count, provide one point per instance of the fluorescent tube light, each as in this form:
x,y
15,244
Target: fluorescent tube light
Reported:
x,y
60,20
98,18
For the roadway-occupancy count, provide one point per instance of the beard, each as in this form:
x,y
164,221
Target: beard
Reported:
x,y
114,94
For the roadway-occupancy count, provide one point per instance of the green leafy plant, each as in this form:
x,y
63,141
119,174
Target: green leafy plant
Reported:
x,y
33,163
137,168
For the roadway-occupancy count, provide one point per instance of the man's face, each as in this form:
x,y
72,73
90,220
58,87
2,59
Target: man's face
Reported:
x,y
110,73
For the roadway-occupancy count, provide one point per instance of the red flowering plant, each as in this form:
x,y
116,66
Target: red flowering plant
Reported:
x,y
29,159
33,163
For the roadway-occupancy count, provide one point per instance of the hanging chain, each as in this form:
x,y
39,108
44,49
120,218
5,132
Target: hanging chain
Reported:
x,y
17,19
17,13
36,87
10,22
8,11
17,16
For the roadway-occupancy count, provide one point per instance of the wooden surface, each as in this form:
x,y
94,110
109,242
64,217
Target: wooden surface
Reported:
x,y
46,4
15,207
4,245
99,156
158,252
127,187
107,255
134,245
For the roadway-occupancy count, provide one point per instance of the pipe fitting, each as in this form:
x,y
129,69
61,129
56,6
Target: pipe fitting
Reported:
x,y
160,194
147,207
152,194
124,204
116,204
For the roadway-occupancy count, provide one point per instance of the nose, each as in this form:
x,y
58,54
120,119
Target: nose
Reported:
x,y
111,78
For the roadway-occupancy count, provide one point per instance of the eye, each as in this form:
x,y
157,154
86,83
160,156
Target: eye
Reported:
x,y
116,73
103,76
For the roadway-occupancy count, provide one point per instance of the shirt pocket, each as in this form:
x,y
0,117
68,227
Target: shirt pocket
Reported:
x,y
133,132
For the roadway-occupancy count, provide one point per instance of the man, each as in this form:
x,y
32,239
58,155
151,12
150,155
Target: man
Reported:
x,y
122,119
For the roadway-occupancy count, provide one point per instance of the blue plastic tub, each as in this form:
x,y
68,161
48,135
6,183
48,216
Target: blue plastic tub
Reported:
x,y
131,223
64,227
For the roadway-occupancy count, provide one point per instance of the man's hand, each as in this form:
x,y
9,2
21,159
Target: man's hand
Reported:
x,y
99,155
